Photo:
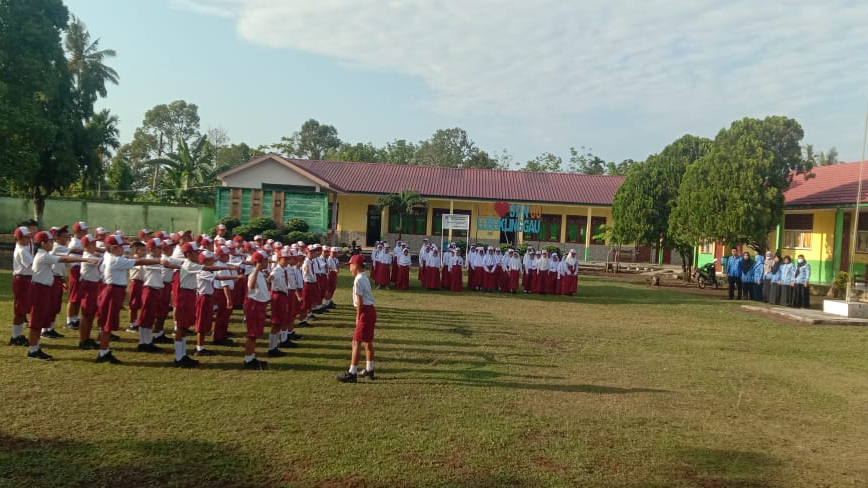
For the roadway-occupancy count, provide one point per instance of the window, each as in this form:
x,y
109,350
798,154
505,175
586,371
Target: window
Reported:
x,y
437,222
797,231
596,228
415,223
862,234
706,247
576,228
549,230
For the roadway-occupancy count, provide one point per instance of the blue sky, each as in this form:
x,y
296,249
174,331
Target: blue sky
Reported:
x,y
622,77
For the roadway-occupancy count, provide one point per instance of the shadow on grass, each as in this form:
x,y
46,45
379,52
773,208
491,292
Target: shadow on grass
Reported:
x,y
566,388
129,462
633,295
723,467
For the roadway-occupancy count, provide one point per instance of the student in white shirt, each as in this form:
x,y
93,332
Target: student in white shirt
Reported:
x,y
73,307
366,320
22,260
89,280
255,310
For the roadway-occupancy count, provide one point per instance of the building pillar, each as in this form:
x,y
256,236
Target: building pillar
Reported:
x,y
779,233
429,220
451,210
588,231
839,241
563,228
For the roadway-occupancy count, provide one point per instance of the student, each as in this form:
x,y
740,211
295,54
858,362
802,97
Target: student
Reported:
x,y
205,291
73,307
167,274
255,310
402,281
746,276
152,297
570,278
553,283
801,283
224,298
332,266
733,274
457,282
22,274
366,319
757,271
137,286
528,265
432,270
89,281
42,281
278,278
788,273
513,271
60,235
767,276
775,280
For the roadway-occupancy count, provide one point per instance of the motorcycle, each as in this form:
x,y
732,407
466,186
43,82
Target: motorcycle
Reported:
x,y
706,275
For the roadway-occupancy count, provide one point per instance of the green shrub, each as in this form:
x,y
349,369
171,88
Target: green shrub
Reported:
x,y
307,237
245,231
463,246
552,249
296,225
522,248
262,224
275,234
230,223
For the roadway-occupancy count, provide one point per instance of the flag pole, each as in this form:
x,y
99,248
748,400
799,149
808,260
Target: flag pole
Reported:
x,y
855,222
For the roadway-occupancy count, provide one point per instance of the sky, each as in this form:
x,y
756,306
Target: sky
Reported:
x,y
623,78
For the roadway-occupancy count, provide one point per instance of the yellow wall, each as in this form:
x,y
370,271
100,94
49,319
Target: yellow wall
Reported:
x,y
822,237
353,212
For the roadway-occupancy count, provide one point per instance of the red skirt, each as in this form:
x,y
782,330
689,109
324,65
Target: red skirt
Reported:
x,y
402,281
56,296
111,300
255,313
569,284
432,277
457,280
512,281
40,314
152,303
446,278
185,308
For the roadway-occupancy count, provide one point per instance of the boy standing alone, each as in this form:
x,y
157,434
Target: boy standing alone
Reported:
x,y
366,319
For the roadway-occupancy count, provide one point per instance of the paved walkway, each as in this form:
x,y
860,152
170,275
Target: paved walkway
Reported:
x,y
805,315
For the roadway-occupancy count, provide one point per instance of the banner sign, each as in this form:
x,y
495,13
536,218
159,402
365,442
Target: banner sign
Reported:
x,y
456,222
512,218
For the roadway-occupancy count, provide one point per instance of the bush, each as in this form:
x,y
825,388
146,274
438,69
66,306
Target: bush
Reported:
x,y
230,223
275,234
307,237
245,231
296,225
552,249
522,248
262,224
463,246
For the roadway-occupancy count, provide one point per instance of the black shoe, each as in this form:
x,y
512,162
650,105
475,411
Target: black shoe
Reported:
x,y
332,305
72,325
186,362
148,348
88,345
314,317
114,337
163,340
223,342
347,377
367,374
133,328
52,334
293,336
256,365
38,354
19,341
203,352
304,323
276,353
288,344
108,358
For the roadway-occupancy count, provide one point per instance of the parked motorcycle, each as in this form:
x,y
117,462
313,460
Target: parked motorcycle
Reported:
x,y
706,275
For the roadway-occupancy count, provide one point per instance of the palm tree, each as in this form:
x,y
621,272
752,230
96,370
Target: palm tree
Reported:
x,y
86,64
189,170
102,132
402,204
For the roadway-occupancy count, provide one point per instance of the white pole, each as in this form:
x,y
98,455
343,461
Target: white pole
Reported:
x,y
855,222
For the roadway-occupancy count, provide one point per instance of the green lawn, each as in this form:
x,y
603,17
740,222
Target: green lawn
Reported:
x,y
622,385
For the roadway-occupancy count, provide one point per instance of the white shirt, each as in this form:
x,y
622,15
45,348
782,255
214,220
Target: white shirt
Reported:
x,y
59,269
22,260
299,278
308,271
528,261
205,282
226,283
279,278
362,287
189,270
405,259
115,269
75,245
153,276
90,272
42,266
260,294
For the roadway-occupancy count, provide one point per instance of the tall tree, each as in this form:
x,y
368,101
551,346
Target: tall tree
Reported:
x,y
312,141
102,137
189,172
86,63
39,123
402,205
545,162
400,152
828,158
451,148
228,157
619,169
585,162
120,179
358,153
735,193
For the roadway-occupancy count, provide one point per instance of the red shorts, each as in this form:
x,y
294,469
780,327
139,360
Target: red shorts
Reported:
x,y
176,285
166,300
294,307
136,294
310,295
21,285
204,313
365,324
255,313
88,294
152,301
279,308
56,295
111,300
40,314
333,281
74,280
185,308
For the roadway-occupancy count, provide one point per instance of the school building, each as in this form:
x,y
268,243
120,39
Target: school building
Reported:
x,y
340,199
818,223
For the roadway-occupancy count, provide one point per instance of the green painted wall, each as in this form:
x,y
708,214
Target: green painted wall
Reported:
x,y
127,217
312,207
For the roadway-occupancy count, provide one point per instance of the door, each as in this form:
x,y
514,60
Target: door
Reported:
x,y
845,242
375,218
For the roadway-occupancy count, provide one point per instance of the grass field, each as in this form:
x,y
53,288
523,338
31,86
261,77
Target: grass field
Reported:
x,y
621,386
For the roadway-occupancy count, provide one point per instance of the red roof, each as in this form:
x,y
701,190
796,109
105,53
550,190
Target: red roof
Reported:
x,y
435,181
831,185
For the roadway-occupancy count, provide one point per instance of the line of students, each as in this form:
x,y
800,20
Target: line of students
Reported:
x,y
203,280
769,279
487,269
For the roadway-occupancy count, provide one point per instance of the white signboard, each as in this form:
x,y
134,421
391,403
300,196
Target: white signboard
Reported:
x,y
456,221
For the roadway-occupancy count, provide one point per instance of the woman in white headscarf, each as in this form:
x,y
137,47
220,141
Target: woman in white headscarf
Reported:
x,y
554,282
432,270
527,276
570,276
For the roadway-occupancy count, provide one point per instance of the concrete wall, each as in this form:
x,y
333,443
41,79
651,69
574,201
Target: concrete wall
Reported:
x,y
270,172
127,217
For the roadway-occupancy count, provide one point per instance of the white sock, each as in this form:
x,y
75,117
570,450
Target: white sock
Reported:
x,y
369,365
51,327
184,342
273,341
142,339
17,331
148,334
103,352
354,369
45,330
199,348
159,334
284,335
72,319
249,358
33,348
180,350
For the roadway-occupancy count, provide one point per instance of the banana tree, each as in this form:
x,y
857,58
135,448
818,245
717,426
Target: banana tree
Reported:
x,y
190,172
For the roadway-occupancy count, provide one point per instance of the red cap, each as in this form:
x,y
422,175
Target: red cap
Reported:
x,y
189,247
55,231
357,259
86,241
79,226
206,255
152,243
41,237
21,232
257,257
144,233
114,240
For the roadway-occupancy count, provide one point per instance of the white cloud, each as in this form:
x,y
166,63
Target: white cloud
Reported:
x,y
545,58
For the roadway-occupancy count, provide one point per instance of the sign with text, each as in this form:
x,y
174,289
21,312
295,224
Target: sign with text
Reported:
x,y
456,222
512,217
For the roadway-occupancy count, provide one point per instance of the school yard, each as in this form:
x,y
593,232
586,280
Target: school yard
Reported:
x,y
622,386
